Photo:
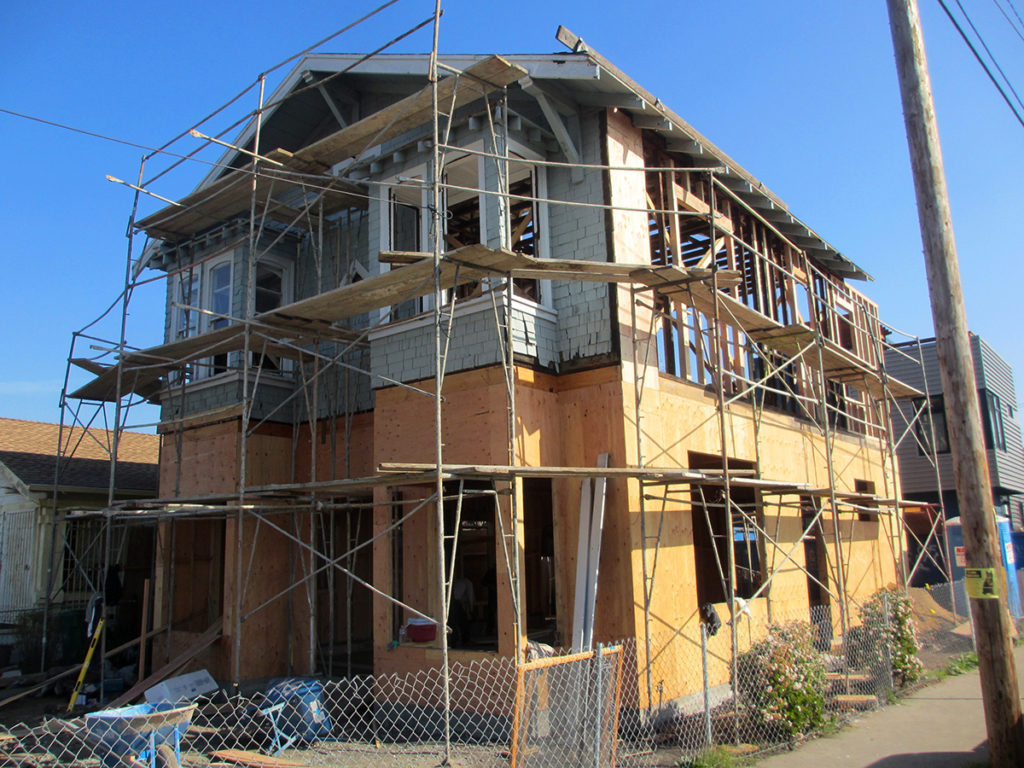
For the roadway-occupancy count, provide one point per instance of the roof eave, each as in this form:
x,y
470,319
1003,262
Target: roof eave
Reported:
x,y
675,127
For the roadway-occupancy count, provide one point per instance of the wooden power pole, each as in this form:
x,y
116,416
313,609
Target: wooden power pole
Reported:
x,y
963,416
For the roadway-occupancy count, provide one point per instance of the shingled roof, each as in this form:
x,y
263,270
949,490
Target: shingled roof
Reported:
x,y
29,450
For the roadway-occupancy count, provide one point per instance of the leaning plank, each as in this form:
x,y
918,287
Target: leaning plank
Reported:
x,y
243,757
233,194
480,79
201,643
472,262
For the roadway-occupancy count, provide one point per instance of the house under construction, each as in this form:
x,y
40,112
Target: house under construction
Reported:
x,y
501,344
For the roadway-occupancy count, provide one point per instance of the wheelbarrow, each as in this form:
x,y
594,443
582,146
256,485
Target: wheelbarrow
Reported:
x,y
150,733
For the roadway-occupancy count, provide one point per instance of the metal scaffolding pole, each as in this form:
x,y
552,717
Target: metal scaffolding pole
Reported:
x,y
250,292
720,405
648,582
438,235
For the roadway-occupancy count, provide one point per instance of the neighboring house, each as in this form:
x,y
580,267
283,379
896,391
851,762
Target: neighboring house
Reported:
x,y
997,398
926,467
298,402
28,468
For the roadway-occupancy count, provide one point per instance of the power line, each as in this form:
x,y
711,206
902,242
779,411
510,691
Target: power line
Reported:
x,y
989,52
1015,13
982,63
74,129
114,139
1008,19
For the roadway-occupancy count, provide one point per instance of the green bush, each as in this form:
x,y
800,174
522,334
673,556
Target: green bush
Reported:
x,y
888,631
782,679
712,757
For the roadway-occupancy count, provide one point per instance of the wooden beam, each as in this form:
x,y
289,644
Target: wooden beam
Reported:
x,y
478,80
653,122
684,146
611,100
309,78
551,113
200,644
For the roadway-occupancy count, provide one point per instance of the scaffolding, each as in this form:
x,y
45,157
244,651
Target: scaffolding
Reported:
x,y
728,299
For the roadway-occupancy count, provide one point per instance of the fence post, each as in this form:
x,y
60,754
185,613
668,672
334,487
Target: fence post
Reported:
x,y
887,646
598,695
707,692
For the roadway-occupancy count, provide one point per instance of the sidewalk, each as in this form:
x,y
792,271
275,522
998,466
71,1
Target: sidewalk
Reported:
x,y
940,726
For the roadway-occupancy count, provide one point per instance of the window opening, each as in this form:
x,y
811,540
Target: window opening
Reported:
x,y
837,405
523,232
269,287
715,530
269,295
463,228
539,561
220,303
865,486
186,320
406,235
816,566
992,418
844,319
473,613
933,418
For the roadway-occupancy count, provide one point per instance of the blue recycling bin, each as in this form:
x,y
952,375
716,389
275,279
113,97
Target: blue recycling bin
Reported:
x,y
303,716
955,537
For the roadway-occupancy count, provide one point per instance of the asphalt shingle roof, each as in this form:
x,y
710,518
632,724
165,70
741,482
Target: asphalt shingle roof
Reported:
x,y
29,449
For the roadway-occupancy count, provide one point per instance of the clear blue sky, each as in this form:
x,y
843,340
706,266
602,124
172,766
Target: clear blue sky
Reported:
x,y
801,93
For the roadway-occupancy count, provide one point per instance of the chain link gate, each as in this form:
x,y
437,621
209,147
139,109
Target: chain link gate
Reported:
x,y
567,710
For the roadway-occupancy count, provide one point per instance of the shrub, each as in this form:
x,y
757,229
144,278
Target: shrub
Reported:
x,y
888,630
712,757
782,678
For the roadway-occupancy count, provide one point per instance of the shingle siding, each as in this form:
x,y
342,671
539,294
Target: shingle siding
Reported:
x,y
574,324
577,232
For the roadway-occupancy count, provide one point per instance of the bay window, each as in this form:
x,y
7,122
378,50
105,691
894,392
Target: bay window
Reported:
x,y
204,300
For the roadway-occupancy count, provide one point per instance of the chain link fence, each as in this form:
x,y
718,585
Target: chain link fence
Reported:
x,y
793,674
566,710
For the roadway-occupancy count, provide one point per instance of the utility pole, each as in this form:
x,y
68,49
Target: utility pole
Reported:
x,y
963,417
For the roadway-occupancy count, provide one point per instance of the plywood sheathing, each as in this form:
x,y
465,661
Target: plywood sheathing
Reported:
x,y
205,555
572,412
675,418
275,640
349,461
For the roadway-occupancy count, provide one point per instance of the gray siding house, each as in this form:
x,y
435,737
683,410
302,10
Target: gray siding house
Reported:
x,y
924,479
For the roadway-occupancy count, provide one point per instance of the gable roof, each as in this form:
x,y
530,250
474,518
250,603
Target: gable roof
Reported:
x,y
581,75
29,450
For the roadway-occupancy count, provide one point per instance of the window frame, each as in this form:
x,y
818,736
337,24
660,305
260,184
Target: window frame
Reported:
x,y
207,316
286,270
992,420
186,322
935,406
417,175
